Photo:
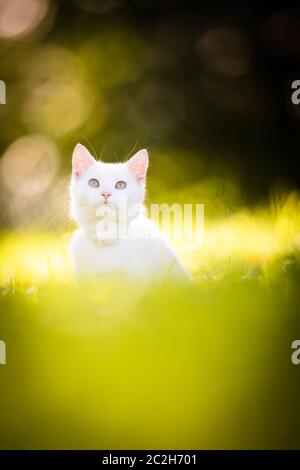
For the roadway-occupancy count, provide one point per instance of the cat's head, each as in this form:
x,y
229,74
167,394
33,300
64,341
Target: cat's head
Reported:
x,y
95,183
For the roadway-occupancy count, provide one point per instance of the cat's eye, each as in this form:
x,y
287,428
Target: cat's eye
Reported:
x,y
94,183
120,185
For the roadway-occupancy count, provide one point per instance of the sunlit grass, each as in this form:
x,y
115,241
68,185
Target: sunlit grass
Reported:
x,y
32,259
238,242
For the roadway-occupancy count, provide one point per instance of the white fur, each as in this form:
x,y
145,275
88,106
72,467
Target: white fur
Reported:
x,y
144,255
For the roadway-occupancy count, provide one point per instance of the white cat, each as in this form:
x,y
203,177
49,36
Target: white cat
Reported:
x,y
108,242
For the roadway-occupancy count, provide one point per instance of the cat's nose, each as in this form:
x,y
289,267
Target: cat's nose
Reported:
x,y
106,194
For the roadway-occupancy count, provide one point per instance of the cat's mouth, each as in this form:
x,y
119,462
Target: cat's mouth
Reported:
x,y
98,204
107,204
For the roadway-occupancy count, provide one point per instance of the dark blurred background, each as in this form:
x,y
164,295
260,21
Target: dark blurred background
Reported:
x,y
205,86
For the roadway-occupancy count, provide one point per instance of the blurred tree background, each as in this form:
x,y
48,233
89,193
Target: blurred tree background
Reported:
x,y
205,86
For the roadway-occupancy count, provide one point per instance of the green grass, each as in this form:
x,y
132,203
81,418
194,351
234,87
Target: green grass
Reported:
x,y
98,365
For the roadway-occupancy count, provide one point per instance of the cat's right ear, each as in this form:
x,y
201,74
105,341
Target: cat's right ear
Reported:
x,y
81,160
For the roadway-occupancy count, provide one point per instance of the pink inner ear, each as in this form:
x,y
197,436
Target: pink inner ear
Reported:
x,y
81,160
138,165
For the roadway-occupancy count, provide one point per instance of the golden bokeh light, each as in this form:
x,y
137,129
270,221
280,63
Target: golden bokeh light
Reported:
x,y
29,165
27,169
19,18
59,98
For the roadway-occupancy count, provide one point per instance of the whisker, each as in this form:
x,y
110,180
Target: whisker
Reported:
x,y
132,150
60,215
116,157
93,149
60,198
104,145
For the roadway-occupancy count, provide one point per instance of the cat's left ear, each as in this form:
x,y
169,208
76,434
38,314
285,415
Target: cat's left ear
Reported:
x,y
138,165
81,160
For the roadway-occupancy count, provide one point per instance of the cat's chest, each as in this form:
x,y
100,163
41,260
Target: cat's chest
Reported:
x,y
135,258
138,257
124,255
121,253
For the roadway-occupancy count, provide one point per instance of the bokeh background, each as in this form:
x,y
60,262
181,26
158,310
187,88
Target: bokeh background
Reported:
x,y
206,88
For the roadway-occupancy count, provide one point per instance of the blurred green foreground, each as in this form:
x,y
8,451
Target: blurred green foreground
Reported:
x,y
99,365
